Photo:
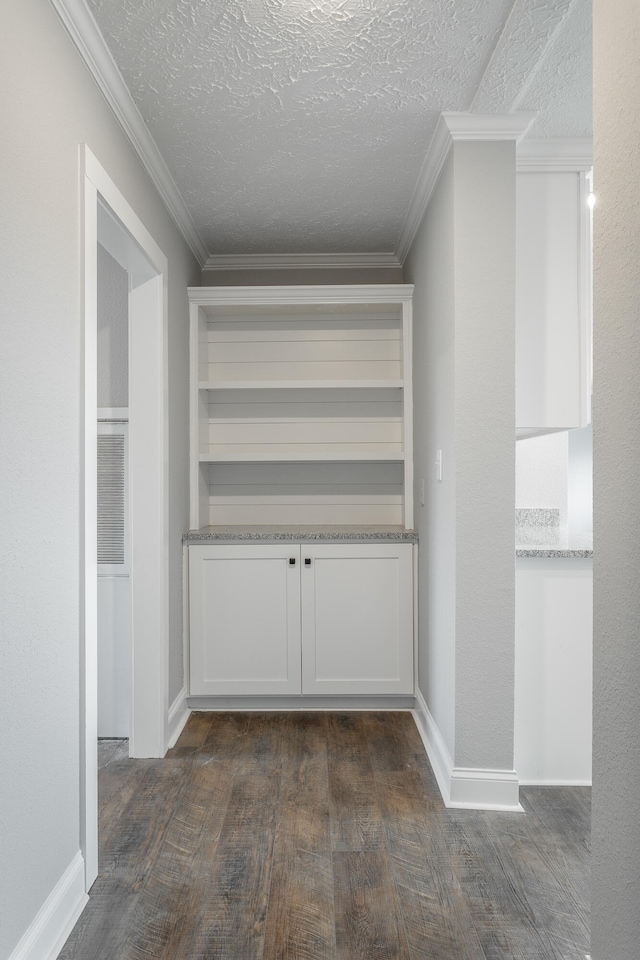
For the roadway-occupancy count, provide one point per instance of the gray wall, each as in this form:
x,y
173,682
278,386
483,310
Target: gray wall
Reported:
x,y
484,220
430,266
113,332
50,105
616,433
462,263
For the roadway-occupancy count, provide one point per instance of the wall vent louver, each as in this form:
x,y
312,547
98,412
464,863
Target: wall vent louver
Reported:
x,y
111,499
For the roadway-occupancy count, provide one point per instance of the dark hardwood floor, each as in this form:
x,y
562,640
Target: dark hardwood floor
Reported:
x,y
312,836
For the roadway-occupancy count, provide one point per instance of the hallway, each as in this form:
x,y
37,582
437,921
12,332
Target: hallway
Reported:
x,y
314,836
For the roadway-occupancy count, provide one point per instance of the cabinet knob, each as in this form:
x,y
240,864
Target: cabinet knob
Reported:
x,y
307,561
292,561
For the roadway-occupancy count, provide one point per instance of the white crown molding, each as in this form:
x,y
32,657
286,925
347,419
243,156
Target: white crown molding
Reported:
x,y
452,127
301,261
85,34
301,295
488,126
462,787
540,156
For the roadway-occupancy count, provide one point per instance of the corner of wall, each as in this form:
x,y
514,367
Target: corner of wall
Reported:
x,y
462,787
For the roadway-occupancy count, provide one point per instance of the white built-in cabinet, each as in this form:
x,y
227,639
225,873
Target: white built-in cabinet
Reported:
x,y
553,298
301,416
301,405
301,619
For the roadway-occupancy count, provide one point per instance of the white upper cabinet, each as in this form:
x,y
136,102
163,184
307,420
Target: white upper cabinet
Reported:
x,y
553,300
301,405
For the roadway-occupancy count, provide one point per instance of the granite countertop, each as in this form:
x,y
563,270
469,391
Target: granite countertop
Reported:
x,y
568,551
539,534
301,534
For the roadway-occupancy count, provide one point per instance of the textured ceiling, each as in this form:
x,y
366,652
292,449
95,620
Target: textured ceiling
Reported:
x,y
295,126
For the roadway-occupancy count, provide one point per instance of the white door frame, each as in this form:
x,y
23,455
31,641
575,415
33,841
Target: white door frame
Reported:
x,y
107,218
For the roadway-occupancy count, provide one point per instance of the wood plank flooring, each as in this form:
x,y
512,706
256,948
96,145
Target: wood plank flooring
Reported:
x,y
313,836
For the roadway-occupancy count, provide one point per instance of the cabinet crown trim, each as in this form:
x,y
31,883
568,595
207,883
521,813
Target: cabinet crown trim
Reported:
x,y
303,294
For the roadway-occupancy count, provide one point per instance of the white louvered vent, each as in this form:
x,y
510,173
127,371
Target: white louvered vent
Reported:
x,y
112,499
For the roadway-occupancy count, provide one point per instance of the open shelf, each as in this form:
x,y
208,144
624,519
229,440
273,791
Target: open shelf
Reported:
x,y
311,385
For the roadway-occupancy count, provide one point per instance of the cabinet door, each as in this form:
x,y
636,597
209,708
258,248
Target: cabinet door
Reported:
x,y
553,316
244,604
357,619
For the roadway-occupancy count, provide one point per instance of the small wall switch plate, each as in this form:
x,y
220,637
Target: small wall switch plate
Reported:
x,y
422,493
439,466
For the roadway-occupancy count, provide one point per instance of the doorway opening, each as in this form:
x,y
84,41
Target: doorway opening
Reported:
x,y
110,222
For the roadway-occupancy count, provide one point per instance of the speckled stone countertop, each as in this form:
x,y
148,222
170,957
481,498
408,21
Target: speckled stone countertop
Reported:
x,y
300,534
571,550
558,547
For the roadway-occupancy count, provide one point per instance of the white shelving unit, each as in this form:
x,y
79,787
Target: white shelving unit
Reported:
x,y
301,405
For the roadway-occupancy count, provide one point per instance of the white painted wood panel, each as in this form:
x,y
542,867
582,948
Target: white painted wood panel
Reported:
x,y
272,385
303,327
304,402
330,369
553,670
553,329
304,493
302,350
291,431
244,605
357,618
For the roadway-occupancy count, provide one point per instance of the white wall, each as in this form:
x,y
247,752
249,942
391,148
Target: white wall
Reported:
x,y
462,263
615,917
49,105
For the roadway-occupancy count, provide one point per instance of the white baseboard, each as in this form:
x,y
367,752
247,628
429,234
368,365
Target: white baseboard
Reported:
x,y
178,716
436,748
463,787
54,922
268,703
554,783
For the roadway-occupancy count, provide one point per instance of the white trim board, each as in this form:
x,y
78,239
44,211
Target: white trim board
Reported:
x,y
302,261
107,215
55,920
452,127
555,783
310,703
89,42
555,155
303,294
179,713
464,787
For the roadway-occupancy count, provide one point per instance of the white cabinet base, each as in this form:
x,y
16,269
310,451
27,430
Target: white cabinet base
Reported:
x,y
284,619
357,619
553,670
245,619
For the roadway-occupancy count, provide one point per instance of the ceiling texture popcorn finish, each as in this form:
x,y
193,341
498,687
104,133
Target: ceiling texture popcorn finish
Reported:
x,y
300,126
